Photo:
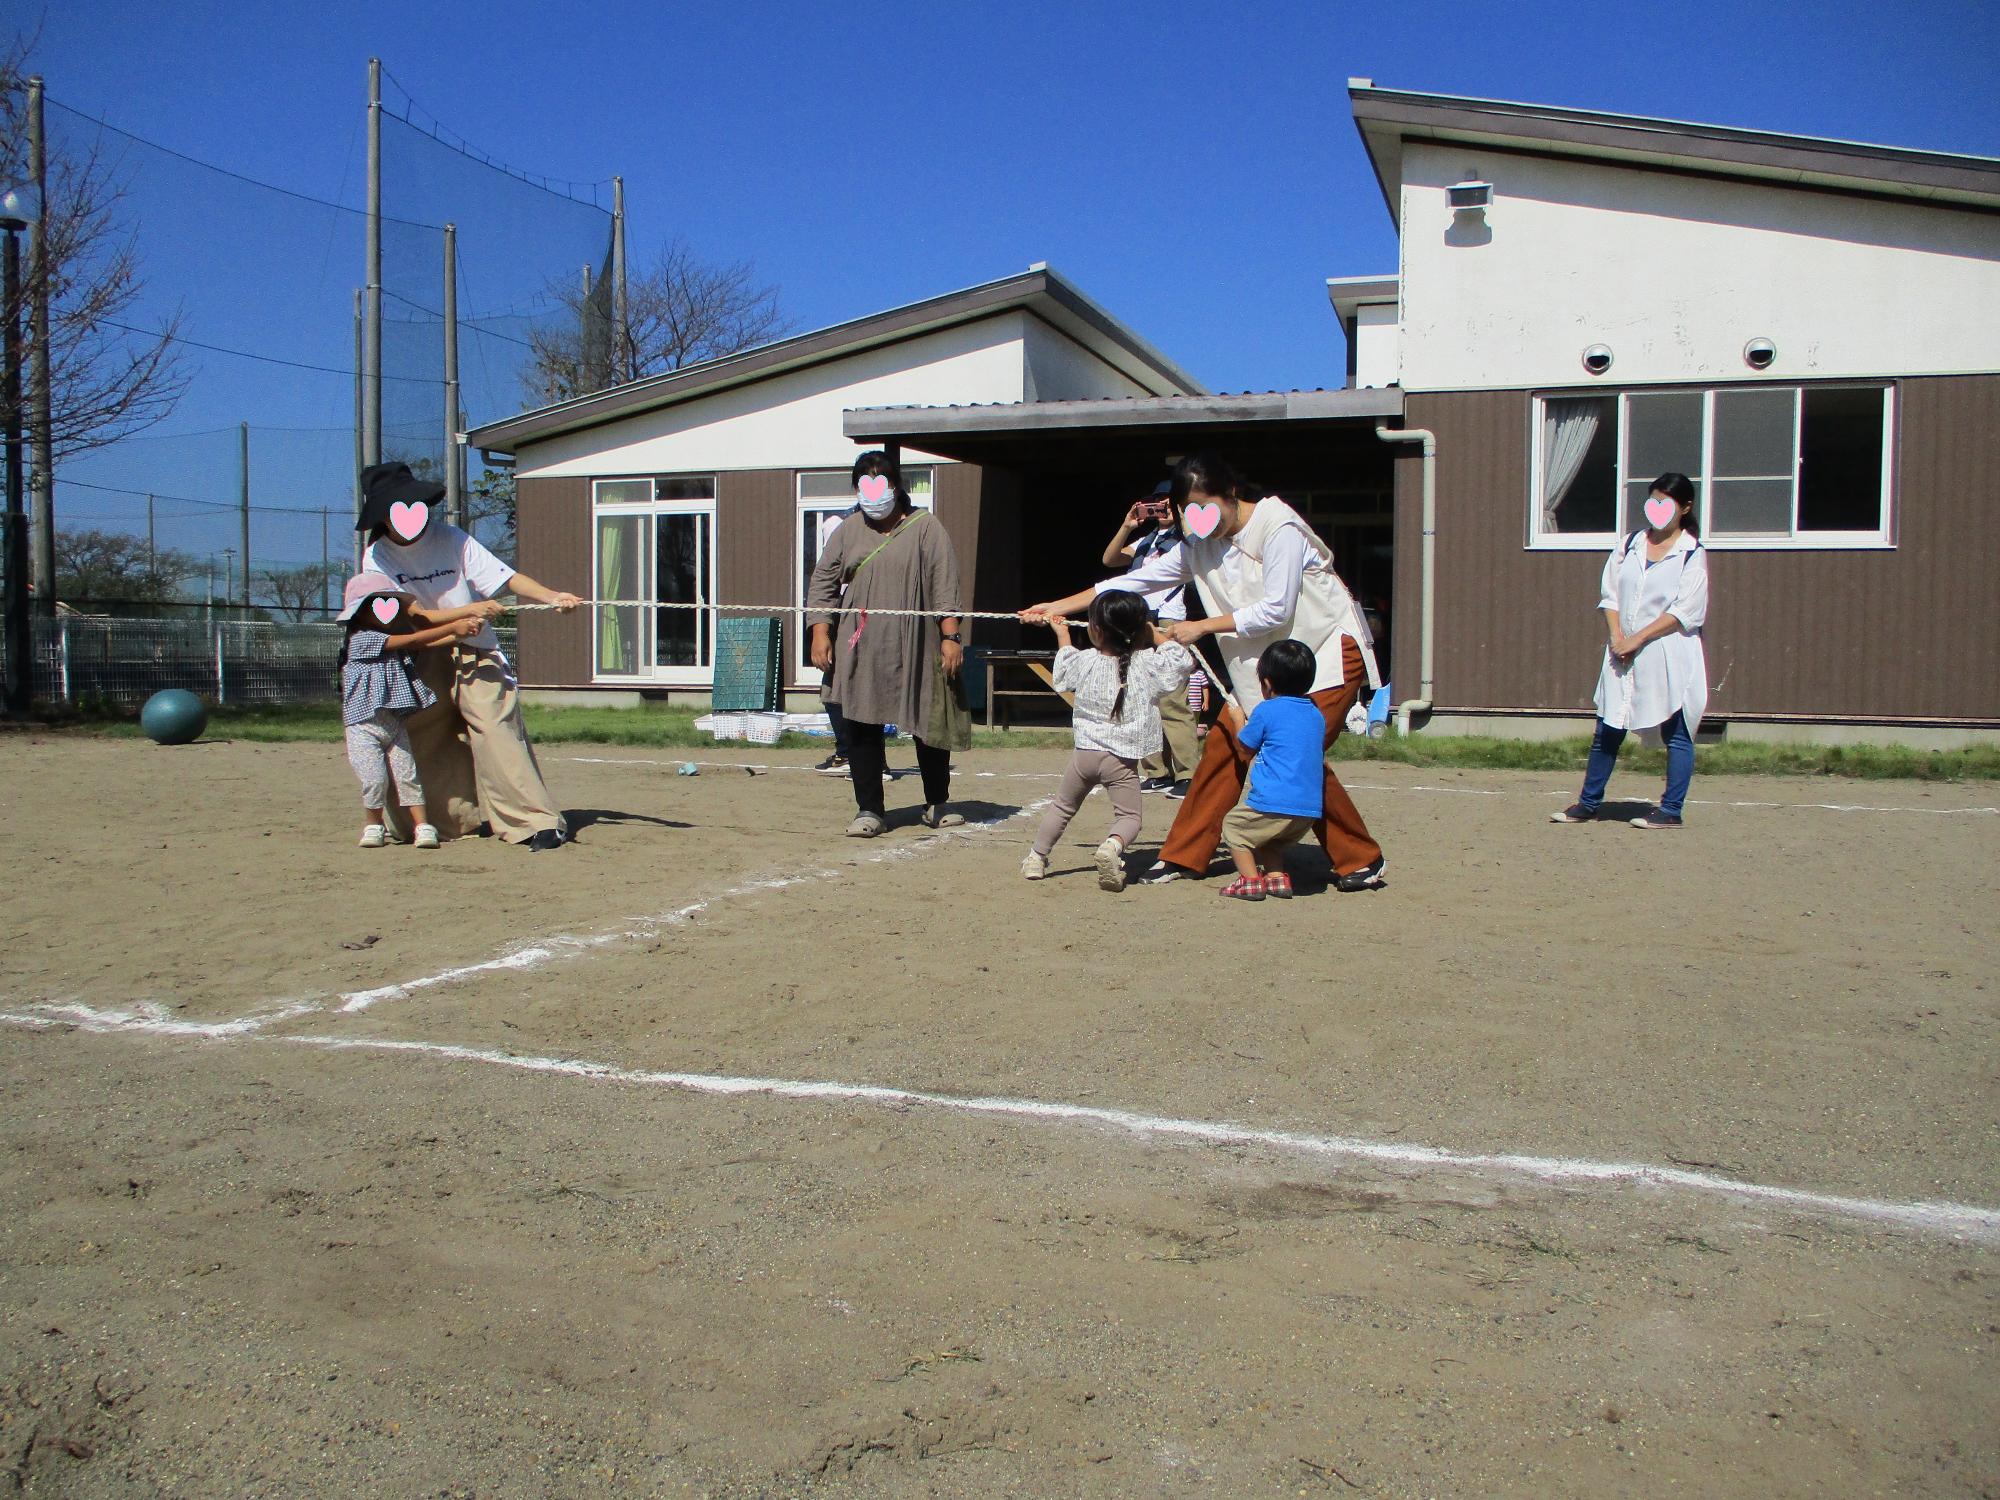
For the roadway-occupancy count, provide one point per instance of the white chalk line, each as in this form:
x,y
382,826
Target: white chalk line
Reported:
x,y
1352,786
1960,1220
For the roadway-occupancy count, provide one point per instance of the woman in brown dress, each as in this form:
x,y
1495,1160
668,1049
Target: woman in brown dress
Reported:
x,y
891,669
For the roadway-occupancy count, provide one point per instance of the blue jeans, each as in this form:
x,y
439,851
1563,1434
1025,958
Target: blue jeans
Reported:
x,y
1604,755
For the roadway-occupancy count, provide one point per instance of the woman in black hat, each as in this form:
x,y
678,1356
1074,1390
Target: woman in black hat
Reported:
x,y
452,577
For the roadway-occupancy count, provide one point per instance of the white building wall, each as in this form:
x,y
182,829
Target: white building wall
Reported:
x,y
794,421
1377,345
1676,273
1060,369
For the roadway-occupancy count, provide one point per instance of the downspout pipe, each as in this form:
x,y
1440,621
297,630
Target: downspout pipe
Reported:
x,y
1421,704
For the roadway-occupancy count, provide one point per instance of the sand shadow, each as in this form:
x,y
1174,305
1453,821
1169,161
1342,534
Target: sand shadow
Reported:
x,y
580,818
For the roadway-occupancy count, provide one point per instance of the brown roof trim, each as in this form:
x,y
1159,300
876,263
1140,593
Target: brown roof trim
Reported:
x,y
1385,118
911,423
1040,291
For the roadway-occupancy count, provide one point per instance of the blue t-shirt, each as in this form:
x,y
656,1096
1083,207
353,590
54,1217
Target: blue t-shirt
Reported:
x,y
1288,777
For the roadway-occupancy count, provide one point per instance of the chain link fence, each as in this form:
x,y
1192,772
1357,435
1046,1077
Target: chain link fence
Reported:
x,y
121,663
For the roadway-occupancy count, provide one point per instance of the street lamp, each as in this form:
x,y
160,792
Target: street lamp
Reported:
x,y
19,208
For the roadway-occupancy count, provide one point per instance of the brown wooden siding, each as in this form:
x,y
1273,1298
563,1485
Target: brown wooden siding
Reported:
x,y
755,510
554,548
1908,633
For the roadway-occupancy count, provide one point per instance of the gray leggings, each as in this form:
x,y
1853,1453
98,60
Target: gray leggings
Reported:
x,y
1088,768
378,748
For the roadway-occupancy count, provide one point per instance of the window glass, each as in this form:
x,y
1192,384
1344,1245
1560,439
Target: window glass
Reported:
x,y
624,491
1840,460
621,571
1750,507
1662,435
686,486
681,636
828,484
1754,434
1579,464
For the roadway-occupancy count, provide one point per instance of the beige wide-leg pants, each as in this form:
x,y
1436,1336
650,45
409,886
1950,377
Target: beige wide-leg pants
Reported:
x,y
472,749
1178,756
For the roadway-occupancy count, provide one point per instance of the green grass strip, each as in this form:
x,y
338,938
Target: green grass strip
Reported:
x,y
673,729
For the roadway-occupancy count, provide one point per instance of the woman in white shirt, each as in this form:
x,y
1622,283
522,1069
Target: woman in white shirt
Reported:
x,y
1654,596
1267,577
452,577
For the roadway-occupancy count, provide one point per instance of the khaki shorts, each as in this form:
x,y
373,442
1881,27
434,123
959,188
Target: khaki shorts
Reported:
x,y
1246,828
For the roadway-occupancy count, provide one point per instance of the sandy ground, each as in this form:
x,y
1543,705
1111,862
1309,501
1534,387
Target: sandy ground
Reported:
x,y
252,1245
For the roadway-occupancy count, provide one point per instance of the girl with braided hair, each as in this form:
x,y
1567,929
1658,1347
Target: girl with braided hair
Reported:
x,y
1117,685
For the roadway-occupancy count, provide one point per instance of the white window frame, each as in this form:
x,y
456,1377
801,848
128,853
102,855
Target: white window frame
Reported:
x,y
1880,539
804,673
653,508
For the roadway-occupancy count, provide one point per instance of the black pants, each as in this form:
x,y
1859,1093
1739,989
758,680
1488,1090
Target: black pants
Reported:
x,y
837,722
867,758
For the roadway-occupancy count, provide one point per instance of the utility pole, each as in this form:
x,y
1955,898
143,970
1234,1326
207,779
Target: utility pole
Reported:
x,y
454,474
19,684
360,460
621,332
325,561
228,573
371,320
586,367
243,499
41,427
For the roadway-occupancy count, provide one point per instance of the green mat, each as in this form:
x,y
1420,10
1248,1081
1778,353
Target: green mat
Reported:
x,y
748,670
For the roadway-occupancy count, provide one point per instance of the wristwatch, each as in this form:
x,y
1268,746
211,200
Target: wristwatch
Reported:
x,y
953,636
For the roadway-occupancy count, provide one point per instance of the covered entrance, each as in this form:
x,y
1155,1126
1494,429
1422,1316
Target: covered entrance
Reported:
x,y
1057,477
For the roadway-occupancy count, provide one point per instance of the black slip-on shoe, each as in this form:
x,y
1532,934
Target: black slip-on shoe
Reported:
x,y
1367,878
548,838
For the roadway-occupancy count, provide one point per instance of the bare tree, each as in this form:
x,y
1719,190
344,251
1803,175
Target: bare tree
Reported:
x,y
680,310
295,592
94,566
106,381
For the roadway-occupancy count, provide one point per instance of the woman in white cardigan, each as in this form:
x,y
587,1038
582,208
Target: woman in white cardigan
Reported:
x,y
1264,576
1654,596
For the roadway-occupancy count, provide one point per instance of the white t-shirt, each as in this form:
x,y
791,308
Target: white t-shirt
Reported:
x,y
444,569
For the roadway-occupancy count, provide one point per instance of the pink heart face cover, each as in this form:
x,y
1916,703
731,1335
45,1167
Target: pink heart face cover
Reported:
x,y
385,610
874,488
1660,512
1202,519
408,518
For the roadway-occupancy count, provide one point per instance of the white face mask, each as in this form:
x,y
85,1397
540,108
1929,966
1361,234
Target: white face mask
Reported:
x,y
877,497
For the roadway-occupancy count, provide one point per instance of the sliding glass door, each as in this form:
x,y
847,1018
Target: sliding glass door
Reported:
x,y
654,545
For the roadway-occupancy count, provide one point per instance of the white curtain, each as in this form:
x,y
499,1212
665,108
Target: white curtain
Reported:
x,y
1567,430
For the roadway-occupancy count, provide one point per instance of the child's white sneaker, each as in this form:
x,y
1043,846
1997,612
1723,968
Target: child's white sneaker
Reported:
x,y
426,836
1110,861
374,836
1034,866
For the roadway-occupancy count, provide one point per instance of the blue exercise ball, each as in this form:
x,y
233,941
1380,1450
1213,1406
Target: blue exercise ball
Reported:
x,y
173,717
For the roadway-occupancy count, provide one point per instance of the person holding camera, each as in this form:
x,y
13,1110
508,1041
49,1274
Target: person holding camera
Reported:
x,y
1149,533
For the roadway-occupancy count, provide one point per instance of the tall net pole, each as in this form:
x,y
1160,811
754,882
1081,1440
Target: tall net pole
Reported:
x,y
454,472
360,446
371,312
243,501
621,341
41,426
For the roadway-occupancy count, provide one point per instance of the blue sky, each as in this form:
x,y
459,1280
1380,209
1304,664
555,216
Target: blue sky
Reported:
x,y
1193,167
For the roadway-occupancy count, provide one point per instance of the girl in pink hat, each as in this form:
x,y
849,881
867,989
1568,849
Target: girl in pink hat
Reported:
x,y
378,689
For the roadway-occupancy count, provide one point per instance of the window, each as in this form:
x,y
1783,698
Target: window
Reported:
x,y
825,496
654,544
1772,466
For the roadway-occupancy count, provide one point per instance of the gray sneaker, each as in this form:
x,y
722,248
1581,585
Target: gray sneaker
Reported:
x,y
866,826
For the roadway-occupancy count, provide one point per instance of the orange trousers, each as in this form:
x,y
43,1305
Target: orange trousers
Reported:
x,y
1225,766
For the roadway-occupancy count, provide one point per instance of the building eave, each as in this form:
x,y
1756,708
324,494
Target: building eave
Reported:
x,y
1039,290
1386,118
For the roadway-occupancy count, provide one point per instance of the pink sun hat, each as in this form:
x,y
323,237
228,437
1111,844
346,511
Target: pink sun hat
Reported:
x,y
364,586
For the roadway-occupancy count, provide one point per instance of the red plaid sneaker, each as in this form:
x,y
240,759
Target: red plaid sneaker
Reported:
x,y
1278,886
1245,888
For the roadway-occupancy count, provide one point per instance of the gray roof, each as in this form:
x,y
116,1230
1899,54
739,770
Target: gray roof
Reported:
x,y
1039,291
884,423
1388,117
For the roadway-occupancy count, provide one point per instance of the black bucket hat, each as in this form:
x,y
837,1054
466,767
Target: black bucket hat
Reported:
x,y
384,485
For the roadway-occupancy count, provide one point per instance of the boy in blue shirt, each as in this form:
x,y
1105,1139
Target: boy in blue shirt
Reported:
x,y
1283,799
